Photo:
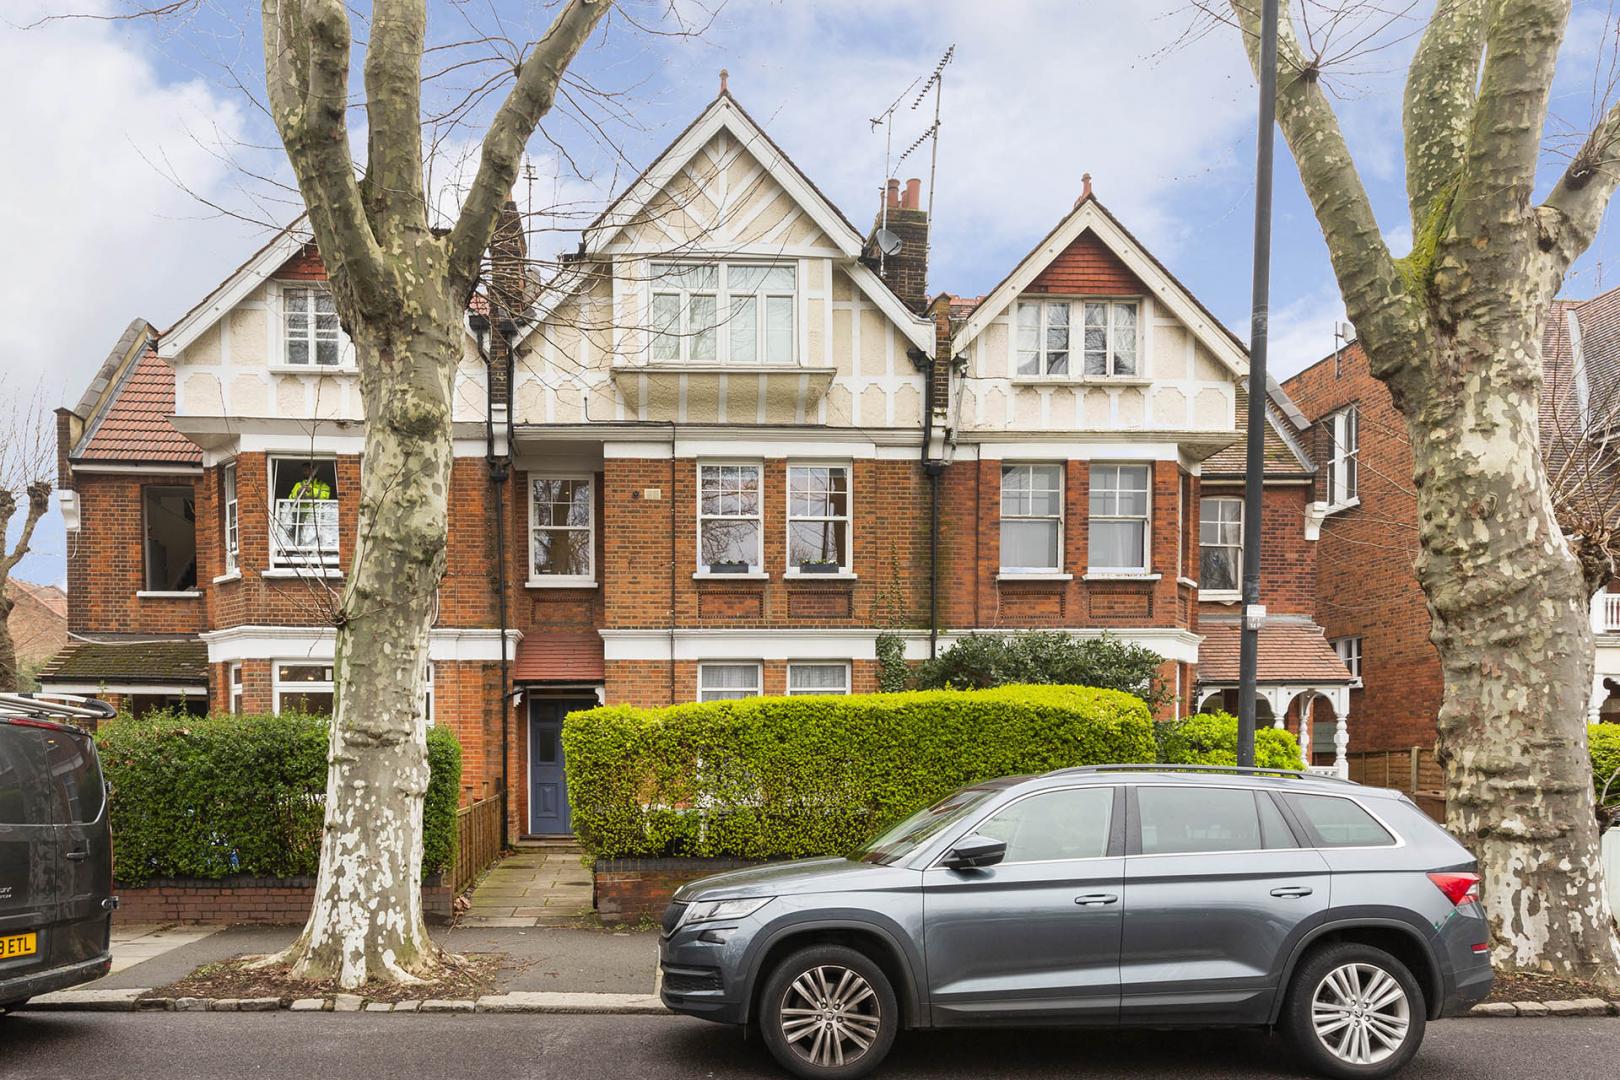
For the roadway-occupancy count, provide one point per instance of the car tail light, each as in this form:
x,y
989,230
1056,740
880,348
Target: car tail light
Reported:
x,y
1460,889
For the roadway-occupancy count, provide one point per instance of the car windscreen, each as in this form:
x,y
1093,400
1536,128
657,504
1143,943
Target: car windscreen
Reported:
x,y
899,841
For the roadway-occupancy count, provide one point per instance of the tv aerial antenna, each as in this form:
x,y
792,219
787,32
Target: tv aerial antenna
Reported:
x,y
889,243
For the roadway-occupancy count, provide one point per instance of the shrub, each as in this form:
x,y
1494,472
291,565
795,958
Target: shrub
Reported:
x,y
1047,657
794,776
1211,739
1604,740
211,797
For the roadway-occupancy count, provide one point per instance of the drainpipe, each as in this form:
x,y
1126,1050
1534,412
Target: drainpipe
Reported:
x,y
932,467
672,570
497,454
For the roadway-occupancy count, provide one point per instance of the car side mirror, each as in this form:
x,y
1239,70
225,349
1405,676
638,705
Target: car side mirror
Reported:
x,y
975,851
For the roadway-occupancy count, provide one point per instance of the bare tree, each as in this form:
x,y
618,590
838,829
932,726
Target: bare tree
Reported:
x,y
1454,329
27,474
401,288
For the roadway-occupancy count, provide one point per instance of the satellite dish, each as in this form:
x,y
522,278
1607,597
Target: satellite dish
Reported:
x,y
888,242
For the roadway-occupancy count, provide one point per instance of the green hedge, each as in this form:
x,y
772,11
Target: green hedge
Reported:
x,y
1604,740
1211,739
213,797
793,776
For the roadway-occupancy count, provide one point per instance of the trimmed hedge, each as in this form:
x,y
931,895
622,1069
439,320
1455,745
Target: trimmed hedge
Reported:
x,y
1604,741
788,777
1211,739
214,797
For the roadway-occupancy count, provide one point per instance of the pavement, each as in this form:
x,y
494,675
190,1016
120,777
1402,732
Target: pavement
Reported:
x,y
537,887
366,1046
555,959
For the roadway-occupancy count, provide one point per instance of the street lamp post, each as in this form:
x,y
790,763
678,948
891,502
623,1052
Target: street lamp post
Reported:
x,y
1254,469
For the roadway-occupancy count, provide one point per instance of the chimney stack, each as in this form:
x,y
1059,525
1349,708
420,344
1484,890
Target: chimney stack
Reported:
x,y
905,271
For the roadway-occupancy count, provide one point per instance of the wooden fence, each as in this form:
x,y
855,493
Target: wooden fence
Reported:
x,y
478,841
1413,771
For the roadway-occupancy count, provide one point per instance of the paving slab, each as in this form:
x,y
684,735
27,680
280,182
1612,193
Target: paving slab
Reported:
x,y
541,1002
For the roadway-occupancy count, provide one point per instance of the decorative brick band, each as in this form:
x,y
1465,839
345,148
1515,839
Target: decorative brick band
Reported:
x,y
629,890
236,900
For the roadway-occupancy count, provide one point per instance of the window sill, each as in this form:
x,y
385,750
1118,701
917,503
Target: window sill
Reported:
x,y
1220,596
560,583
302,572
230,575
1334,508
795,575
1013,575
1187,581
1080,380
168,594
1119,575
312,369
752,575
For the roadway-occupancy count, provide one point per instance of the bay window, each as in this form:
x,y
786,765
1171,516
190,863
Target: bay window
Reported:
x,y
303,687
729,519
1031,519
1118,524
723,313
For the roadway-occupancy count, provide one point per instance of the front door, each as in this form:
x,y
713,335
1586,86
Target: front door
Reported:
x,y
548,788
1036,937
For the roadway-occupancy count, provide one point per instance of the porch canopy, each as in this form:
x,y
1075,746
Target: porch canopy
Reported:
x,y
1295,661
572,657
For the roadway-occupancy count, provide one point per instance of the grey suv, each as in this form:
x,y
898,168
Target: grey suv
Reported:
x,y
1109,895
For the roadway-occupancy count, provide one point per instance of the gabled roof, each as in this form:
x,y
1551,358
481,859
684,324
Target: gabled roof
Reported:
x,y
260,266
1285,455
725,114
1291,651
1089,215
130,423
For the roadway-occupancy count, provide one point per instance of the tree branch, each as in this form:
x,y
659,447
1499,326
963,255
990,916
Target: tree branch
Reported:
x,y
393,74
306,59
1438,114
1568,221
1388,317
515,121
39,501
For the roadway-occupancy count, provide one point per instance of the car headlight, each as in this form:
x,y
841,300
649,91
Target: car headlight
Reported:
x,y
711,910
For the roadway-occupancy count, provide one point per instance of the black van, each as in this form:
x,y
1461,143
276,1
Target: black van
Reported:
x,y
56,899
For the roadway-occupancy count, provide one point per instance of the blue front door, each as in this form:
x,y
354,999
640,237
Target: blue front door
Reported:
x,y
548,789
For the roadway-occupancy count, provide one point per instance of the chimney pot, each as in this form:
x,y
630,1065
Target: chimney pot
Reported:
x,y
724,77
894,194
1085,185
913,197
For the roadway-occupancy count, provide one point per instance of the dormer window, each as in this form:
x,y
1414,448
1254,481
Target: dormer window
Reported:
x,y
722,313
310,327
1108,337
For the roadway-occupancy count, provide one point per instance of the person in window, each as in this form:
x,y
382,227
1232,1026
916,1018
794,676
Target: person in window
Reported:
x,y
311,486
306,523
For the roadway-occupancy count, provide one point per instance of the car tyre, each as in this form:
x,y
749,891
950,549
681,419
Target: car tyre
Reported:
x,y
1353,1012
828,1012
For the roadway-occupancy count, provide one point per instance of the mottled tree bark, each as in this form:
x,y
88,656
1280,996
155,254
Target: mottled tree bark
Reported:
x,y
1454,330
38,496
401,293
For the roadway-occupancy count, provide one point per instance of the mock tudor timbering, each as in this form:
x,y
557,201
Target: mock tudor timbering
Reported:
x,y
719,480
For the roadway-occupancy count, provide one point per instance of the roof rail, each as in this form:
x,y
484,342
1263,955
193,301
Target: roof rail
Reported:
x,y
55,706
1235,770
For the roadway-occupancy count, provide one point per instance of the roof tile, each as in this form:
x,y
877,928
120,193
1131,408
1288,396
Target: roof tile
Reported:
x,y
1293,652
135,427
559,656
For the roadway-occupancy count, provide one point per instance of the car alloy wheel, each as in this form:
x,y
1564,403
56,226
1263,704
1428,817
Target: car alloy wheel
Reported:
x,y
830,1016
1361,1014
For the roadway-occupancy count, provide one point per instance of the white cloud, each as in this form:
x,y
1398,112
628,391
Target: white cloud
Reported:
x,y
1302,331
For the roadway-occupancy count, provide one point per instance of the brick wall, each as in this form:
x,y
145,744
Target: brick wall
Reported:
x,y
1088,267
107,560
1365,582
633,890
240,900
1287,559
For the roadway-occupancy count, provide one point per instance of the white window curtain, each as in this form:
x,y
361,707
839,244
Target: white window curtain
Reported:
x,y
1031,518
728,682
1118,525
818,679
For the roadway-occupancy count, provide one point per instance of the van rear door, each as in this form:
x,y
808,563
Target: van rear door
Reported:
x,y
30,861
84,845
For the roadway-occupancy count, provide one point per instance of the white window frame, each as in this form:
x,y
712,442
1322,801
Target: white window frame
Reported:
x,y
233,518
233,686
1042,351
843,665
1350,654
562,581
1002,516
755,569
1236,590
427,695
1344,461
277,687
313,562
709,665
1110,302
279,360
847,520
1146,518
686,332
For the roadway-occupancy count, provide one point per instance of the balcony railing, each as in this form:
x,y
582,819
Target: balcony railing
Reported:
x,y
304,532
1606,613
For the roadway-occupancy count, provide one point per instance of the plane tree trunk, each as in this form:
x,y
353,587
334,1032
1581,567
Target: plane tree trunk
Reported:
x,y
1454,330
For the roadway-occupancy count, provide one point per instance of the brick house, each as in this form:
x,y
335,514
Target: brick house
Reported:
x,y
1367,594
729,445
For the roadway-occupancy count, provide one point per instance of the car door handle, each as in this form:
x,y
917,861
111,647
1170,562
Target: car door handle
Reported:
x,y
1096,899
1291,892
76,856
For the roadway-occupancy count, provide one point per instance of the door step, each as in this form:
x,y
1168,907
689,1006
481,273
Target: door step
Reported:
x,y
551,845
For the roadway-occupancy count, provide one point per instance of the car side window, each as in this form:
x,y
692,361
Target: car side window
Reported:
x,y
1334,822
1273,826
1072,823
23,785
75,776
1192,820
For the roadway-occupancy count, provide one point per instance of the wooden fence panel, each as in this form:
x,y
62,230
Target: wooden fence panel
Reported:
x,y
478,835
1413,771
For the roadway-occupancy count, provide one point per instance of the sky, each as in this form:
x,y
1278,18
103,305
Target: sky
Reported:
x,y
136,143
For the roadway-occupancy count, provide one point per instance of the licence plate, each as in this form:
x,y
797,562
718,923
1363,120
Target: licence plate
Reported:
x,y
18,945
